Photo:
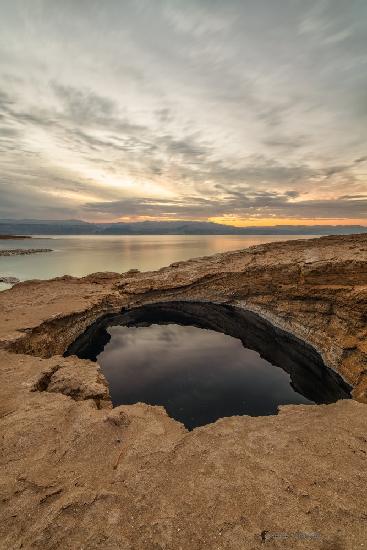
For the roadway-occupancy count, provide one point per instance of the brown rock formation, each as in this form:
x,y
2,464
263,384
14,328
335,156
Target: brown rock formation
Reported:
x,y
76,474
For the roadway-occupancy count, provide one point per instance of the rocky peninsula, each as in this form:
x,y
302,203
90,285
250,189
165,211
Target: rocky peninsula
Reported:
x,y
23,251
9,280
14,237
76,473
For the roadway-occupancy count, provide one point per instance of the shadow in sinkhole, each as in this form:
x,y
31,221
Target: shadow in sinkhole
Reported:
x,y
205,361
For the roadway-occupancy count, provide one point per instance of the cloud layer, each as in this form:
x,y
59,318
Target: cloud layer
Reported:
x,y
239,111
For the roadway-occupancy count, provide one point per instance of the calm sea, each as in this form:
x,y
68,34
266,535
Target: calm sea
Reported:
x,y
79,255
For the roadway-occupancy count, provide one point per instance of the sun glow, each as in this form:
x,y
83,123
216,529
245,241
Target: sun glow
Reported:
x,y
270,222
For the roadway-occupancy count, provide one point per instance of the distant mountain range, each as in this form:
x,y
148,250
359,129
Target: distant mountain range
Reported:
x,y
79,227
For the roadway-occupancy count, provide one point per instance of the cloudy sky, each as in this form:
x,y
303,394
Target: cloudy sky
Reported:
x,y
239,111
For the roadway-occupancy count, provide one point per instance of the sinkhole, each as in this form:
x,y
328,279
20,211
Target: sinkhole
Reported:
x,y
205,361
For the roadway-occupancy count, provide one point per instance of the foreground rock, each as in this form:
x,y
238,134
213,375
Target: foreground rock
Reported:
x,y
77,474
23,251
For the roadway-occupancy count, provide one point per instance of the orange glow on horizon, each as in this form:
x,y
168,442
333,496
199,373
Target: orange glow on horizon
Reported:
x,y
238,222
270,222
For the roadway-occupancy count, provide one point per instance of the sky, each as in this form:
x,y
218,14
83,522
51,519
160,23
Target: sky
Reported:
x,y
239,111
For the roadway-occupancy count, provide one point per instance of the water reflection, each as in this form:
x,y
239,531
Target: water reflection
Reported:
x,y
79,255
203,362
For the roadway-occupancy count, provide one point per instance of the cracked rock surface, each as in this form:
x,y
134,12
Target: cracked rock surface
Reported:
x,y
76,473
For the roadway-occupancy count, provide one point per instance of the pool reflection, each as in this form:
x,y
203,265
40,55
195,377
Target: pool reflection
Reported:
x,y
203,362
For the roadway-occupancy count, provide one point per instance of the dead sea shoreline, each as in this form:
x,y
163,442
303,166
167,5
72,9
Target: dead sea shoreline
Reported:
x,y
74,469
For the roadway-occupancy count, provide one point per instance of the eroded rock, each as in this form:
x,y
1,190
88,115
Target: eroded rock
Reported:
x,y
77,379
77,476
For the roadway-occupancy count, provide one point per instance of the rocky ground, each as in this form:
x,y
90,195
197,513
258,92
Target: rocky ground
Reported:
x,y
76,473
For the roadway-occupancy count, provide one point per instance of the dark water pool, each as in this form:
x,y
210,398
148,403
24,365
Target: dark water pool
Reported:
x,y
203,362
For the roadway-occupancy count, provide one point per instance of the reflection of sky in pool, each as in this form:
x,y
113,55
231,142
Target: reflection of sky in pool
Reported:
x,y
203,361
198,375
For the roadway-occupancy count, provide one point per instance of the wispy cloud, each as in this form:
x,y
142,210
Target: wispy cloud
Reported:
x,y
190,109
